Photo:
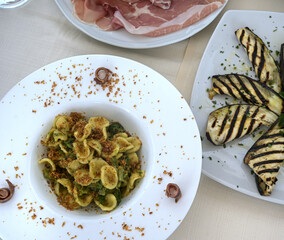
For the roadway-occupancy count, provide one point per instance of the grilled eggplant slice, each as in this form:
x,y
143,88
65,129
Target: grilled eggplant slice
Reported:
x,y
264,65
266,157
262,188
282,64
234,121
248,90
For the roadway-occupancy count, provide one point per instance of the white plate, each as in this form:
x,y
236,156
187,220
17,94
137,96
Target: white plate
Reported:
x,y
122,38
145,103
225,165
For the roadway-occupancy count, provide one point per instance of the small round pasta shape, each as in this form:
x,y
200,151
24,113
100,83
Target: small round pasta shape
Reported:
x,y
84,200
123,144
65,182
81,149
109,177
49,162
95,167
59,135
62,123
110,203
73,166
131,183
110,149
95,144
82,177
135,142
81,136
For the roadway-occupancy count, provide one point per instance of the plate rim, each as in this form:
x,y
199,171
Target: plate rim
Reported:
x,y
197,165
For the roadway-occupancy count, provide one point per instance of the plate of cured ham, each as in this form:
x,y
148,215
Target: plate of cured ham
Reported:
x,y
242,63
140,24
38,112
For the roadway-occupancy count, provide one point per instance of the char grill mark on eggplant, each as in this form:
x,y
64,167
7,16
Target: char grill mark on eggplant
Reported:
x,y
267,153
266,157
254,148
245,89
269,171
222,125
233,124
267,162
234,121
253,122
248,90
259,55
220,91
242,124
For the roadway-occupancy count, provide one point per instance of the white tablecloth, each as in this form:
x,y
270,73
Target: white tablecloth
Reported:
x,y
37,34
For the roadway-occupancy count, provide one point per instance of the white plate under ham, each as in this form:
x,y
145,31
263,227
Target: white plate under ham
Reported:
x,y
144,17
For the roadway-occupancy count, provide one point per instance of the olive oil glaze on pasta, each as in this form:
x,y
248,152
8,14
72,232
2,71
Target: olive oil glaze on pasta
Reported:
x,y
90,161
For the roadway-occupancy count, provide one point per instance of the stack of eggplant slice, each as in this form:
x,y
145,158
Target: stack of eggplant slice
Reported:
x,y
263,106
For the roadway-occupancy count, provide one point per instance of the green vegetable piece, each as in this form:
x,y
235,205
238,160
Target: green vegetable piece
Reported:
x,y
101,199
115,128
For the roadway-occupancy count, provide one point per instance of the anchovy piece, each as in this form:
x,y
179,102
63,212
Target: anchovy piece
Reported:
x,y
228,123
266,157
248,90
259,55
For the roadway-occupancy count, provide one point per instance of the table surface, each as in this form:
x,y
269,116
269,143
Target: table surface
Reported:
x,y
37,34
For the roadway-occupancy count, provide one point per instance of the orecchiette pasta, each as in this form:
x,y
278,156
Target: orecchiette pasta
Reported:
x,y
82,134
109,177
81,149
50,141
63,148
131,183
110,149
49,162
73,166
83,177
99,124
123,144
122,134
95,167
83,200
95,144
59,135
65,182
136,144
88,158
62,122
91,161
133,158
109,204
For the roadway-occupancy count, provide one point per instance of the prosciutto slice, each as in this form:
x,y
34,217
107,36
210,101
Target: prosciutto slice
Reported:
x,y
144,17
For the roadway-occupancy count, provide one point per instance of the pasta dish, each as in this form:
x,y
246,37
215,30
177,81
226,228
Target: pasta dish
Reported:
x,y
90,161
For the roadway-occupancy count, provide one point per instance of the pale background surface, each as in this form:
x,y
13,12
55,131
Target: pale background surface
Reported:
x,y
37,34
